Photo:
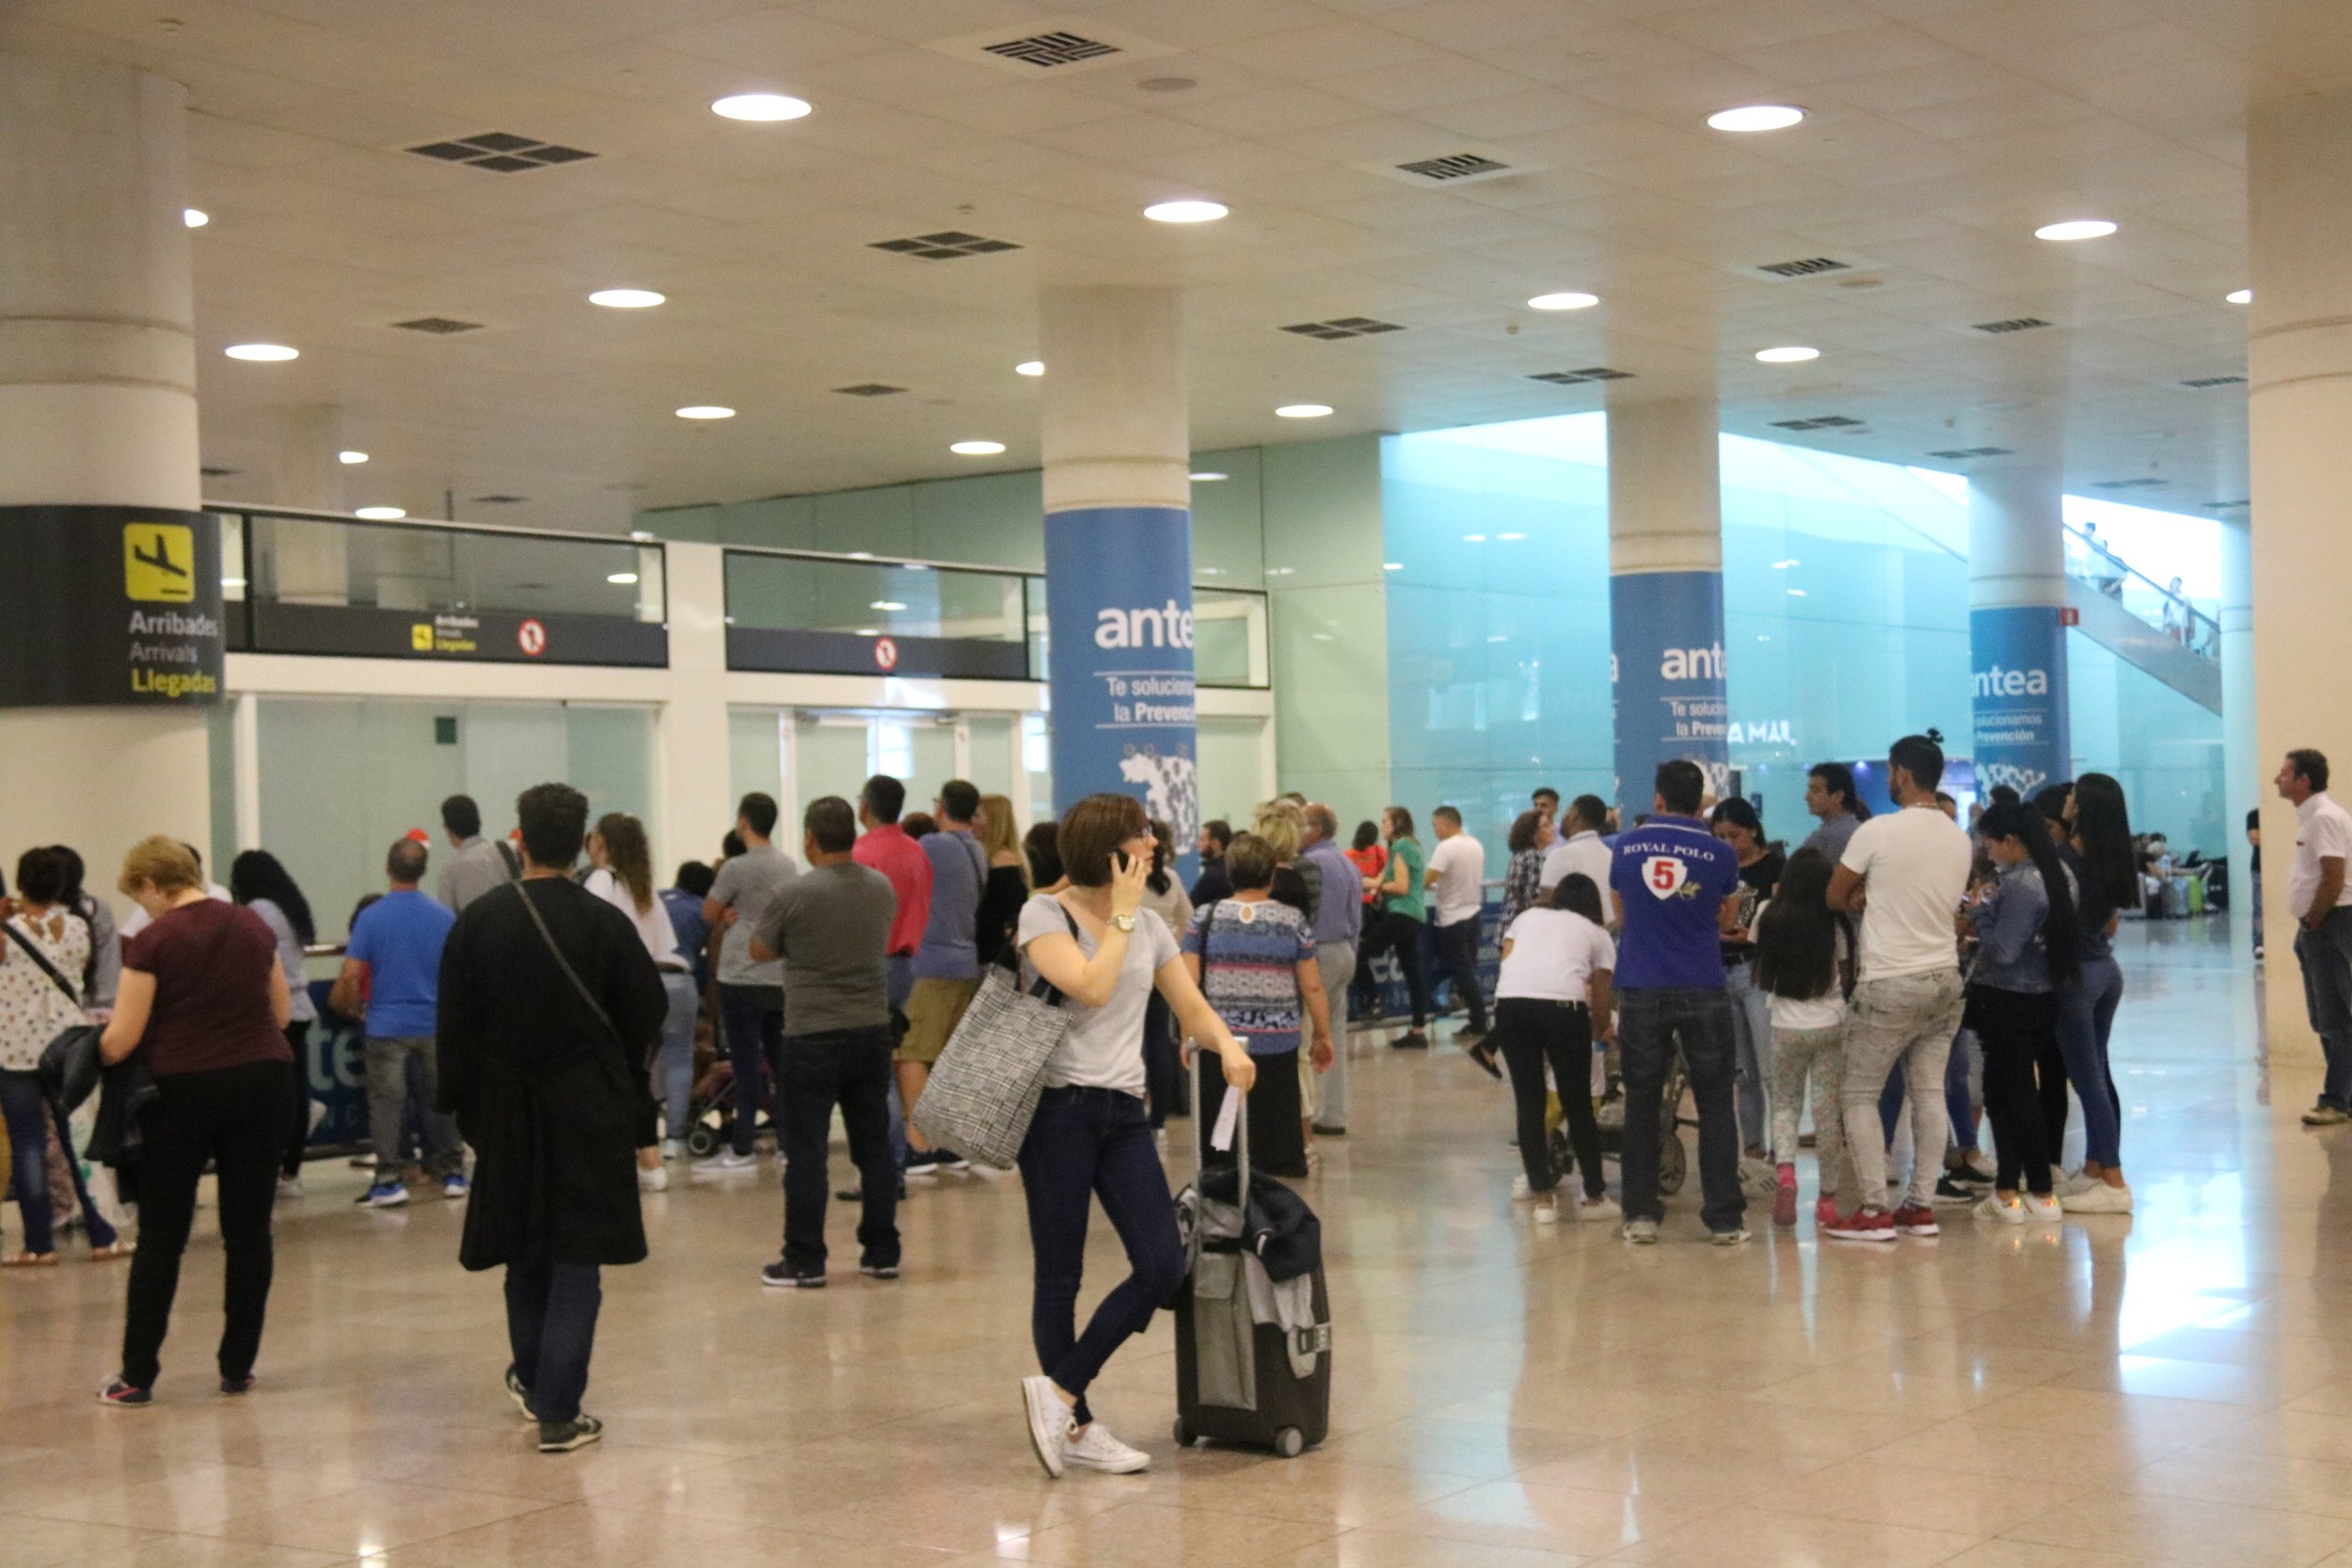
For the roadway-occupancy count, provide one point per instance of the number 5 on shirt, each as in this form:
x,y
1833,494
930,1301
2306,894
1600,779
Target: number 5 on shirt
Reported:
x,y
1663,875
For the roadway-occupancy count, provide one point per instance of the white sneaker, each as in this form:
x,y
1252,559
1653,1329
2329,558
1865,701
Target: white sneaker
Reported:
x,y
725,1163
2071,1182
1521,1191
1593,1210
654,1180
674,1148
2008,1212
1049,1421
2042,1206
1976,1165
2097,1199
288,1186
1547,1211
1095,1448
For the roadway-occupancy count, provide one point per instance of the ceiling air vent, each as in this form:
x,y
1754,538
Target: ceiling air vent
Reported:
x,y
2015,323
1345,327
501,152
2203,382
500,501
438,326
2143,483
1826,422
1048,50
945,247
1958,454
1593,372
869,390
1809,266
1455,165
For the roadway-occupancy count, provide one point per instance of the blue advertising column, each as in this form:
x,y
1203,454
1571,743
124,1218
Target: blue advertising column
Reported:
x,y
1666,595
2016,630
1117,445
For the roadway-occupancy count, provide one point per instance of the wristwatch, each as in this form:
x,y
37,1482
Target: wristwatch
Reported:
x,y
1124,922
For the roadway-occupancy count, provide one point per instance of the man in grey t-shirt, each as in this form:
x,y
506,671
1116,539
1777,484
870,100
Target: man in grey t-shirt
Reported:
x,y
830,930
750,993
480,863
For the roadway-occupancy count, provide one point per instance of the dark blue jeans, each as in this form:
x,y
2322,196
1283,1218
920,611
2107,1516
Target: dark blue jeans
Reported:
x,y
2086,1018
850,1066
551,1327
1458,962
2326,957
29,1114
1651,1024
1086,1144
752,1019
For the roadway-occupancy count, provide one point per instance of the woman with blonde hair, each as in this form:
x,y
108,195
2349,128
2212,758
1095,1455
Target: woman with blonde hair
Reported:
x,y
1007,885
622,877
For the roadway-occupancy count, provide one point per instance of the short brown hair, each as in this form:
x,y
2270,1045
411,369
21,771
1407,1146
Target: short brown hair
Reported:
x,y
1092,829
1249,863
162,860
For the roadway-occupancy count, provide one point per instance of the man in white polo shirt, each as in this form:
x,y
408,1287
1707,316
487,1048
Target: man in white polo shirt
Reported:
x,y
1455,879
1580,847
2317,894
1903,873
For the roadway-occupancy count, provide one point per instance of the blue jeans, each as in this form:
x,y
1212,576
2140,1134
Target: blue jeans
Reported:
x,y
752,1017
1752,1033
1651,1024
2086,1017
850,1065
29,1114
551,1327
2325,956
677,1053
1086,1144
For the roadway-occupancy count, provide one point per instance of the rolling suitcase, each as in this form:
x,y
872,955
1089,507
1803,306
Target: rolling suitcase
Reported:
x,y
1240,1380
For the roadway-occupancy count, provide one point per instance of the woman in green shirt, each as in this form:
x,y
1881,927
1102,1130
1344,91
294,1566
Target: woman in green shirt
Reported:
x,y
1394,924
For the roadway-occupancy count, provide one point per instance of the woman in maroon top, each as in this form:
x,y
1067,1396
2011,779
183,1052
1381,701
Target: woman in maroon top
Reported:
x,y
204,1001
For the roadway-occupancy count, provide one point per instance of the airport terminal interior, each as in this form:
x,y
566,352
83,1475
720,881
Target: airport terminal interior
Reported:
x,y
1404,459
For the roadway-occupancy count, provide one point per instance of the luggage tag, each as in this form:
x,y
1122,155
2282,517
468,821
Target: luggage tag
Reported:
x,y
1228,1117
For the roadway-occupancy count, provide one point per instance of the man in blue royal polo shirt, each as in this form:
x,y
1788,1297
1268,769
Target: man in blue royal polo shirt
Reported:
x,y
1669,879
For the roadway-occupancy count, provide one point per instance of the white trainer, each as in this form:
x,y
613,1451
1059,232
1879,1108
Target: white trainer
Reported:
x,y
2097,1199
1547,1211
2041,1206
1593,1209
1095,1448
1993,1206
1049,1420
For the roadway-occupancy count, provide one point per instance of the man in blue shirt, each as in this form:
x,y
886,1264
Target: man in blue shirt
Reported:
x,y
946,961
392,973
1670,880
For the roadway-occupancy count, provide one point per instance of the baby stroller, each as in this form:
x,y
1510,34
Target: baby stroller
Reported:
x,y
1610,1112
710,1111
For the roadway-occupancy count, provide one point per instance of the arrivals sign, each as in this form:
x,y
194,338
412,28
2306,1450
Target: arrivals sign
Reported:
x,y
1666,669
466,637
2018,659
109,606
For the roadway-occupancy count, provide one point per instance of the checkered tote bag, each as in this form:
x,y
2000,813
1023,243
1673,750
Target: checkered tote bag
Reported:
x,y
983,1089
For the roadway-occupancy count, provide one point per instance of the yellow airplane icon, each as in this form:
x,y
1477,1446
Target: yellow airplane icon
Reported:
x,y
159,563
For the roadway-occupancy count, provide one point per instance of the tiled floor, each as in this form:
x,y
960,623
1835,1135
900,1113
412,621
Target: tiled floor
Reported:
x,y
2173,1387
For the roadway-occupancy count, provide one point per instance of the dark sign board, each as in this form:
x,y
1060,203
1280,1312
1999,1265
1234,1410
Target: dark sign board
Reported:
x,y
495,637
112,606
844,653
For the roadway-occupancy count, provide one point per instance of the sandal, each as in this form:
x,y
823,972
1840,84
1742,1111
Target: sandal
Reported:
x,y
113,1250
29,1261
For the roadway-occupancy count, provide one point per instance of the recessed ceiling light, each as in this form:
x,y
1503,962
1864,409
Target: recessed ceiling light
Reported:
x,y
1186,212
1473,539
763,106
624,578
976,449
1757,117
885,604
705,411
1392,565
2075,229
1568,301
625,299
869,631
1030,367
195,217
1797,594
266,353
1789,355
348,458
380,514
1302,410
1204,477
2239,296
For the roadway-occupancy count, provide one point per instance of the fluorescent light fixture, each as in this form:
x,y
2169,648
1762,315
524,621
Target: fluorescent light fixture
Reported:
x,y
380,514
765,108
1510,537
625,299
1789,355
195,217
705,411
1204,477
2075,229
232,582
885,604
1757,117
351,459
262,353
1568,301
1186,212
976,449
1392,565
1302,411
1030,367
1473,539
625,578
2239,296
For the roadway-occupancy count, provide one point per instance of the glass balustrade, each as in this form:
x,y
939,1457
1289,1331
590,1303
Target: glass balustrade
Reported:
x,y
2165,607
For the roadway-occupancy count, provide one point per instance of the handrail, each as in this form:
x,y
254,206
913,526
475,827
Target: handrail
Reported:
x,y
310,514
2207,644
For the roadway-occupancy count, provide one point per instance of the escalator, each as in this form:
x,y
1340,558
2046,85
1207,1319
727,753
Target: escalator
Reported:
x,y
2153,628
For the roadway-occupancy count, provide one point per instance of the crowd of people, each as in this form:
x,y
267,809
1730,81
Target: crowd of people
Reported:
x,y
548,1033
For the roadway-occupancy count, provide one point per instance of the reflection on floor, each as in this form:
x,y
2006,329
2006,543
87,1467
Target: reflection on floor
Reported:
x,y
2175,1386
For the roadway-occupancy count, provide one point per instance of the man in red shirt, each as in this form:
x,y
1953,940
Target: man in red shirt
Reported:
x,y
884,847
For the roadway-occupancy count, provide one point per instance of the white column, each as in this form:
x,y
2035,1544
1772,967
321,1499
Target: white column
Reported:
x,y
2244,784
691,738
1117,448
309,564
97,408
1666,594
2016,643
2299,364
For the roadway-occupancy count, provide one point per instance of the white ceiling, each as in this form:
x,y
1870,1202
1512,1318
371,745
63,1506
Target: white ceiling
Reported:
x,y
1941,133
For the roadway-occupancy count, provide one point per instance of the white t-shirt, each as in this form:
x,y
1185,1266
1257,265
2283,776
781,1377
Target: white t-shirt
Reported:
x,y
1458,867
1826,1011
1103,1049
1914,863
1586,853
2322,828
1552,953
652,927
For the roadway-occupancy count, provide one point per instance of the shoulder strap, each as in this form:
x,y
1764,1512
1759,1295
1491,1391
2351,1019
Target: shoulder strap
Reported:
x,y
506,858
565,964
34,953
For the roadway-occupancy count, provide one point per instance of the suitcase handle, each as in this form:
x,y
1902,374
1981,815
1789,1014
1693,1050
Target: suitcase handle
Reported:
x,y
1241,1124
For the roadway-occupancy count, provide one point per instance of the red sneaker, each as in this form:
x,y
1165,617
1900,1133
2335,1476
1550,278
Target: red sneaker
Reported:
x,y
1825,1211
1785,1197
1863,1225
1916,1219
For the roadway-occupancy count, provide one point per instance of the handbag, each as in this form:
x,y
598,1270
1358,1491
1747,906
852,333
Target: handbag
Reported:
x,y
68,1042
982,1091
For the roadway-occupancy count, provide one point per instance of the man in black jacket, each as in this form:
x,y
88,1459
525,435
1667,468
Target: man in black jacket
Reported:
x,y
549,1003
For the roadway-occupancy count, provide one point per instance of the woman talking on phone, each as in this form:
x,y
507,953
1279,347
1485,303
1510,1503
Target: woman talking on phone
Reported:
x,y
1091,1137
